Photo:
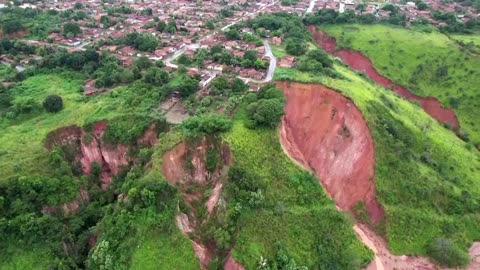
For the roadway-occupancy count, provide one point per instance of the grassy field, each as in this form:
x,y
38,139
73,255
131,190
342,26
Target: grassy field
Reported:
x,y
430,64
472,42
297,214
426,177
22,138
21,257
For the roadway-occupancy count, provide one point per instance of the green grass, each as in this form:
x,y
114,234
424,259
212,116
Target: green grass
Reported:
x,y
170,251
278,50
6,72
412,59
297,213
22,138
17,256
472,42
426,177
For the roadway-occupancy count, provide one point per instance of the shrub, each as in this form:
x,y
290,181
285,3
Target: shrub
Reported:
x,y
53,103
446,253
205,125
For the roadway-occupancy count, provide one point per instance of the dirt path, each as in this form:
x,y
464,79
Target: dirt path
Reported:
x,y
360,62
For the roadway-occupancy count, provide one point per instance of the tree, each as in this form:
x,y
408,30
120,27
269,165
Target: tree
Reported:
x,y
161,26
197,126
78,5
71,29
155,75
53,103
12,26
184,60
232,34
266,112
446,253
219,86
147,11
295,46
142,62
238,86
210,25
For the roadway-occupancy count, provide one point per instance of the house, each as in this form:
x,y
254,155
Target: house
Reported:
x,y
253,88
286,61
127,51
277,40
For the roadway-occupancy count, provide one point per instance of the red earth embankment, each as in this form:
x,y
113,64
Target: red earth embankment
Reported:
x,y
359,62
185,167
90,147
325,132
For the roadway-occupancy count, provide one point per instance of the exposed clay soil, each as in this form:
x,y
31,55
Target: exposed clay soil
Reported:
x,y
110,158
324,131
359,62
184,166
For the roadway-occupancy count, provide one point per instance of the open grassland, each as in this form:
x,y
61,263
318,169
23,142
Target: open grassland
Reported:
x,y
22,138
426,177
296,216
17,256
471,42
429,64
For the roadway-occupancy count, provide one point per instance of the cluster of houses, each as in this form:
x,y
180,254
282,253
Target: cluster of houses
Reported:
x,y
408,8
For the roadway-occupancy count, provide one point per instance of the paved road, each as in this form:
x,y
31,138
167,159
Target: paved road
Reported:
x,y
310,7
271,67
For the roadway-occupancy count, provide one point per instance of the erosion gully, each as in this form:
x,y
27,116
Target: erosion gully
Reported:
x,y
323,132
360,62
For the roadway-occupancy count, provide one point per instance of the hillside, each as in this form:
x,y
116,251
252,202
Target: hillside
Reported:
x,y
429,64
425,175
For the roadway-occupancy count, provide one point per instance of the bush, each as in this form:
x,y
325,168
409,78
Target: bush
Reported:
x,y
446,253
53,103
205,125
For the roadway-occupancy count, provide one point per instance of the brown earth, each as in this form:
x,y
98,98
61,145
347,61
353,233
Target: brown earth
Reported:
x,y
324,131
359,62
90,147
184,166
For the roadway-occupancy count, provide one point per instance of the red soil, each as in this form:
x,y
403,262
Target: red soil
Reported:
x,y
110,158
175,171
231,264
359,62
325,132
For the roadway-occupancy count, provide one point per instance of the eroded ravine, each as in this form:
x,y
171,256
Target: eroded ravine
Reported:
x,y
185,167
359,62
325,133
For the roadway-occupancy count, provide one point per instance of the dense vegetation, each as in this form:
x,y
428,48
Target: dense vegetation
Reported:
x,y
330,16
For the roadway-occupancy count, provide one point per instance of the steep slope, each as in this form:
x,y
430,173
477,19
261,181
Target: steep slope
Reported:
x,y
429,64
327,133
421,168
361,63
187,166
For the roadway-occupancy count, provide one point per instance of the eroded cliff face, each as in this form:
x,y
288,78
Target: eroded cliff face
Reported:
x,y
324,132
185,166
89,148
86,148
360,62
